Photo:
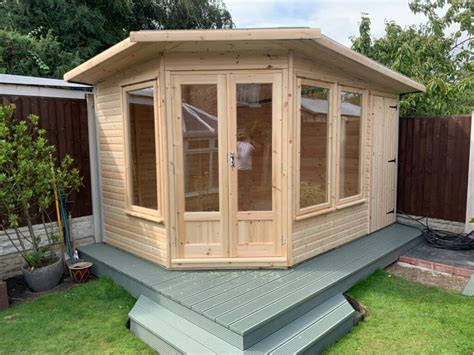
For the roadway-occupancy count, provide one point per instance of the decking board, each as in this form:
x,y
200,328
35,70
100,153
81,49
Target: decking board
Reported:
x,y
265,308
242,300
469,289
213,294
323,270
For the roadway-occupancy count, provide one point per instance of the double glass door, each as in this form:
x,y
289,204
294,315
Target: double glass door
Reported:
x,y
227,156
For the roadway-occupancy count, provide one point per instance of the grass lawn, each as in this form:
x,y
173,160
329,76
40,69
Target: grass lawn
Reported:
x,y
86,319
407,318
404,318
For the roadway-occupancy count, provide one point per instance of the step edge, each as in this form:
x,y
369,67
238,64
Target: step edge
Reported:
x,y
238,343
319,317
156,334
146,303
345,315
245,332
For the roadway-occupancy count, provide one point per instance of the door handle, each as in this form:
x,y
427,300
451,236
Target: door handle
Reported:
x,y
232,159
392,161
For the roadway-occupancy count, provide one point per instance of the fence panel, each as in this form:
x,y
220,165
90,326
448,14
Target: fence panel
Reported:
x,y
65,121
434,166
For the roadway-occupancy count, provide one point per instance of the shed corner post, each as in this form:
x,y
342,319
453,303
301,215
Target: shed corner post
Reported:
x,y
470,184
94,168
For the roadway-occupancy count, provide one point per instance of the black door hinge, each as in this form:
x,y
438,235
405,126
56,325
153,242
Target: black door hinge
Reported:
x,y
395,107
389,212
394,160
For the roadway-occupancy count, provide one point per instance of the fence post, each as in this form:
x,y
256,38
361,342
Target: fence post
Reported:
x,y
470,182
94,168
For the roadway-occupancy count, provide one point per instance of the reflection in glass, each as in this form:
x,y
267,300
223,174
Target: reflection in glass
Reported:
x,y
350,143
200,147
254,147
313,146
142,148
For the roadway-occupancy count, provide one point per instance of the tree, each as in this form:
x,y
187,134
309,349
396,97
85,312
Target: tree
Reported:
x,y
27,55
429,53
87,27
28,178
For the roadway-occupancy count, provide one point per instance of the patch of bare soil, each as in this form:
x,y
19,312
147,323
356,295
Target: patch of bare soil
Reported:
x,y
18,291
429,278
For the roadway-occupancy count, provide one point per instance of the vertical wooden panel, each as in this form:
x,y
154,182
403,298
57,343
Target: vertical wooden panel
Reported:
x,y
384,167
65,122
434,156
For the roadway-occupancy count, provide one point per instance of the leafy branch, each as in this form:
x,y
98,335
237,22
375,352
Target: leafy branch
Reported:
x,y
26,189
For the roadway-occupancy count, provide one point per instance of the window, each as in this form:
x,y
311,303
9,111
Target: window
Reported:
x,y
326,181
350,144
143,194
313,121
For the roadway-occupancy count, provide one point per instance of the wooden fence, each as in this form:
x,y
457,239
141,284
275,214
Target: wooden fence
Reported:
x,y
433,166
65,122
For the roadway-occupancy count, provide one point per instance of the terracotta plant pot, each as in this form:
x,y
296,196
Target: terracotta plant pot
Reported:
x,y
81,271
43,278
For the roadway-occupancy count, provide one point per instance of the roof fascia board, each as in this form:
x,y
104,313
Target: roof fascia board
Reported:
x,y
99,58
40,91
359,58
225,35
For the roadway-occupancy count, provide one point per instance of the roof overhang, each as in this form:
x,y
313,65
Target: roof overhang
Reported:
x,y
141,45
258,34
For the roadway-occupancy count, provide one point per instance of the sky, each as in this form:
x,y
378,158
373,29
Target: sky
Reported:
x,y
337,19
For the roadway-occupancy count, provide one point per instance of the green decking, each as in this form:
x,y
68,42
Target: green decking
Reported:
x,y
245,308
469,289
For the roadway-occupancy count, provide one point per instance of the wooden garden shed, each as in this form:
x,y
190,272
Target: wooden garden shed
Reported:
x,y
242,148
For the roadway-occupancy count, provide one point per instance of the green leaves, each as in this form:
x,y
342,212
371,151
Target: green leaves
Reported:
x,y
431,54
49,37
26,55
26,173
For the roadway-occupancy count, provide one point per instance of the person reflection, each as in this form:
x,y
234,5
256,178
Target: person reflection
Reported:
x,y
245,149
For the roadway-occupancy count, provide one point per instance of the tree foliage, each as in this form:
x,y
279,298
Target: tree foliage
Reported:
x,y
26,55
438,53
27,173
87,27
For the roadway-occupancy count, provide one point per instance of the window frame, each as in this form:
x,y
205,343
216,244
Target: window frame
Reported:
x,y
360,197
309,211
155,215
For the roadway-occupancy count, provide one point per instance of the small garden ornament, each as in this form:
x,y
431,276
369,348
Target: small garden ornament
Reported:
x,y
27,184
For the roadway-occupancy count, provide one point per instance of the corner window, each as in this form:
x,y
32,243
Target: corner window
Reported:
x,y
350,144
314,145
142,163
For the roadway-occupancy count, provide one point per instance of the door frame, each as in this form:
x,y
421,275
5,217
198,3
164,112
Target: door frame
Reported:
x,y
275,215
181,215
228,206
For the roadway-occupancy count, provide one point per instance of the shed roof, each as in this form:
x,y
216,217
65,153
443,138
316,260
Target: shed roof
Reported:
x,y
36,81
143,44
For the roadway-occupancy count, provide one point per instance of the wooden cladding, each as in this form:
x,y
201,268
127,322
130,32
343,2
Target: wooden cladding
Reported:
x,y
433,166
65,122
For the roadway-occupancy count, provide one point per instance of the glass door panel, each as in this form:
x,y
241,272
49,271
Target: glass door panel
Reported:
x,y
200,148
255,180
200,142
254,146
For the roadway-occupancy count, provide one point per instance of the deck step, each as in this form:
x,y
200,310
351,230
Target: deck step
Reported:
x,y
245,309
168,333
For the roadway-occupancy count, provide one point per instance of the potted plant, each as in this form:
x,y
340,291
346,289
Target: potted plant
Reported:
x,y
29,179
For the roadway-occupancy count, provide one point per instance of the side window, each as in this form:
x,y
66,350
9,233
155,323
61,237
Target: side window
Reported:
x,y
314,146
350,144
143,184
